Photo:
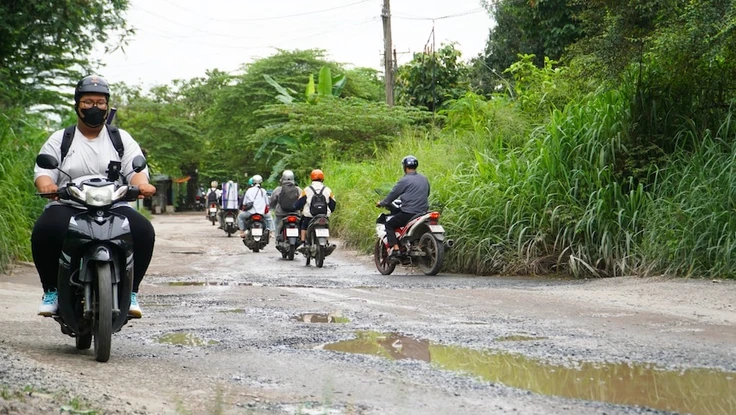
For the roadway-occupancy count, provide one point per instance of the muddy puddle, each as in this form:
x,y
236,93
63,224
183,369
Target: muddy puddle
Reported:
x,y
696,391
320,318
184,339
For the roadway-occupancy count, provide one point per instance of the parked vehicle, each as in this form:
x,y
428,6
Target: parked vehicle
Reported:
x,y
95,267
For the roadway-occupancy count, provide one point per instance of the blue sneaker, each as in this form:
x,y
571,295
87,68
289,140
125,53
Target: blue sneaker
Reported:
x,y
49,304
135,310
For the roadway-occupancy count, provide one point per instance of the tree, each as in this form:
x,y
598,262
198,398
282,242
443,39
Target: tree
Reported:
x,y
543,28
44,45
431,79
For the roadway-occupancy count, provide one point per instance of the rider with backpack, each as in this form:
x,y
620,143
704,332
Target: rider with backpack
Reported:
x,y
316,199
283,199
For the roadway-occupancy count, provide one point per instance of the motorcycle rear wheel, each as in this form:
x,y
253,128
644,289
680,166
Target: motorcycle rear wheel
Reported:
x,y
434,254
380,257
290,255
319,259
102,325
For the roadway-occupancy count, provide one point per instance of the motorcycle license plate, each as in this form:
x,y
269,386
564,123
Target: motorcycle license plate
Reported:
x,y
213,210
436,229
292,232
229,220
256,232
322,232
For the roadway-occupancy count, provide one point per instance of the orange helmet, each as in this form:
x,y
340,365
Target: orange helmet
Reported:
x,y
317,175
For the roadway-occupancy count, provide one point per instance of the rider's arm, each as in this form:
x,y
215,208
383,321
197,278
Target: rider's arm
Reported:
x,y
299,204
331,204
275,198
45,184
397,191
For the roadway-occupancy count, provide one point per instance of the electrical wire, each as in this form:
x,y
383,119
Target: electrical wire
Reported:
x,y
264,19
450,16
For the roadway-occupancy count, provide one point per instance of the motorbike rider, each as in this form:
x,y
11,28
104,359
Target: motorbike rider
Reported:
x,y
88,156
413,190
229,198
283,199
213,195
305,201
255,201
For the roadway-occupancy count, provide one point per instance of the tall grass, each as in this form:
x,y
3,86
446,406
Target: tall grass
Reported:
x,y
20,139
525,198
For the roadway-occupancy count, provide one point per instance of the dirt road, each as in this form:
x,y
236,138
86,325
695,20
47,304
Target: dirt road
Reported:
x,y
227,331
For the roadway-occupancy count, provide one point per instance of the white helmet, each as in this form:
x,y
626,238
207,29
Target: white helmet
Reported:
x,y
213,184
257,179
287,176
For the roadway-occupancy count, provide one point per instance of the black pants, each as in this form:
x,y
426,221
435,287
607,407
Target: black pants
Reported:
x,y
50,230
398,220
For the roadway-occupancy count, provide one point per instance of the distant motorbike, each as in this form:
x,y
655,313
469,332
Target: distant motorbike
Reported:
x,y
256,232
212,213
230,221
422,243
287,240
317,244
95,277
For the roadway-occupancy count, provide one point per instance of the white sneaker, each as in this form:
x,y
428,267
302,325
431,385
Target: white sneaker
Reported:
x,y
49,304
135,309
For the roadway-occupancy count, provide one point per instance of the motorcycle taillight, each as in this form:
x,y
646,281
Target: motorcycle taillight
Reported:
x,y
256,217
434,217
213,205
322,221
292,219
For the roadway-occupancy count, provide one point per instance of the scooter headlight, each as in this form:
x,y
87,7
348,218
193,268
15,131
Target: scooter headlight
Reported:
x,y
98,196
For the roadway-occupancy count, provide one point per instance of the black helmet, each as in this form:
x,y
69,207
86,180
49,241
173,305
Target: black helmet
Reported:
x,y
410,162
91,84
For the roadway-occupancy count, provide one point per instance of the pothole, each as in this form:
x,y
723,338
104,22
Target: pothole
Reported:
x,y
187,252
696,391
205,283
519,338
184,339
321,318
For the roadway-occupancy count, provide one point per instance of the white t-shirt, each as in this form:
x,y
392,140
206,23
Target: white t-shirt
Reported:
x,y
88,158
259,197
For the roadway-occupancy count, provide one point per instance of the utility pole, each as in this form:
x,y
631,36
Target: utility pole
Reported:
x,y
388,63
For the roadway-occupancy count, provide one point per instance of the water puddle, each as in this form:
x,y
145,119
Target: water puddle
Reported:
x,y
205,283
321,318
184,339
696,391
187,252
519,338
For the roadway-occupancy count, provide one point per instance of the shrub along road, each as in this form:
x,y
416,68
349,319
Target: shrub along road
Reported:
x,y
229,331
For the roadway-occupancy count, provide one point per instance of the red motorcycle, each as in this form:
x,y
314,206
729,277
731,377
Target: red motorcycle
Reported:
x,y
422,242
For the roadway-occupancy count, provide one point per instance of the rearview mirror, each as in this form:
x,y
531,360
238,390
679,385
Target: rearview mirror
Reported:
x,y
139,163
47,161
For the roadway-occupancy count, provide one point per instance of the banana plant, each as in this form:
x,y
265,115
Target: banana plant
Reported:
x,y
328,86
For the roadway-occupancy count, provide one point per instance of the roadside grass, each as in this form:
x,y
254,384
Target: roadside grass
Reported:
x,y
525,198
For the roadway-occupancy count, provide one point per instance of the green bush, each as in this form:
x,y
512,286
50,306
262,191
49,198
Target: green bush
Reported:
x,y
21,136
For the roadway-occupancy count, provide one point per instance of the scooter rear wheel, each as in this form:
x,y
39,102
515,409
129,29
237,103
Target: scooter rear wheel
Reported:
x,y
290,255
84,342
319,260
102,325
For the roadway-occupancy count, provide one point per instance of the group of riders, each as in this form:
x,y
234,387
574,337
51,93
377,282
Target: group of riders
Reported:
x,y
88,149
287,199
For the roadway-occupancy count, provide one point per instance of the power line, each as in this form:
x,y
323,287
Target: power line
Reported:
x,y
449,16
263,19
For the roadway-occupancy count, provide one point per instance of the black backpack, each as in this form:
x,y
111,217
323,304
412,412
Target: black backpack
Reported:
x,y
212,196
113,132
319,203
288,196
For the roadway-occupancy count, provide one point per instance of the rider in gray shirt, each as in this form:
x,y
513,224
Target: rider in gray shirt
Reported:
x,y
413,189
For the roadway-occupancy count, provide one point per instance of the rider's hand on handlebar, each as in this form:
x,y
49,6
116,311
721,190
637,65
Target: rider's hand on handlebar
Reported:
x,y
49,188
378,204
145,190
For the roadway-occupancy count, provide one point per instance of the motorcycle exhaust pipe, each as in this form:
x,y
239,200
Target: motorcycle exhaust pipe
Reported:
x,y
449,243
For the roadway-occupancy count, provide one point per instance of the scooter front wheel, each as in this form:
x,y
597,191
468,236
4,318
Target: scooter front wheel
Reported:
x,y
102,325
384,265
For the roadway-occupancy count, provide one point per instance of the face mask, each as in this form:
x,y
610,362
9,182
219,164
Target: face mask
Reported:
x,y
93,117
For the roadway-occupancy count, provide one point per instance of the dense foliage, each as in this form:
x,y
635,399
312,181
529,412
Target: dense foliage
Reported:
x,y
591,137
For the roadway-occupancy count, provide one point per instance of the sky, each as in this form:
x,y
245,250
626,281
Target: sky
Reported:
x,y
181,39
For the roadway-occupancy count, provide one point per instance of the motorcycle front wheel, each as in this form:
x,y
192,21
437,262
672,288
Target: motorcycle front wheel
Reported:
x,y
434,254
102,325
380,257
